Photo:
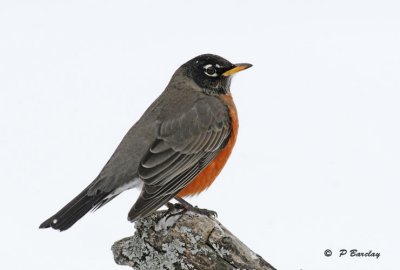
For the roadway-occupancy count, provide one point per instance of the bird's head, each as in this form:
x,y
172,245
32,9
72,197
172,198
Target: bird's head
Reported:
x,y
212,73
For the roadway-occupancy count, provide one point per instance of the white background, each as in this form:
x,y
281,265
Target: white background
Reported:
x,y
316,164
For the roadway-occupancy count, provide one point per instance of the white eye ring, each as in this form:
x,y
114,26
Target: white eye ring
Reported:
x,y
210,70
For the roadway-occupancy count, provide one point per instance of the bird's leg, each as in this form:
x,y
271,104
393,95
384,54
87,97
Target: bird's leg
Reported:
x,y
184,203
201,211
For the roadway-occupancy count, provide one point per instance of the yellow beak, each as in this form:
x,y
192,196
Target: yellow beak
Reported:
x,y
236,68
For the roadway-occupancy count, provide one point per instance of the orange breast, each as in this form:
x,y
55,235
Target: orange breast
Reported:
x,y
205,178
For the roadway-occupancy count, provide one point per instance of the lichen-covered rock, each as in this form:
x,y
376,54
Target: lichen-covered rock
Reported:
x,y
177,240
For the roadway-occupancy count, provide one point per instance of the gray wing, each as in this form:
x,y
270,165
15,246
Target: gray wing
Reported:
x,y
184,146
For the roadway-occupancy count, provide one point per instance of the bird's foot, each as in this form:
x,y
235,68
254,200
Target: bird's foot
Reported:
x,y
173,210
202,211
174,206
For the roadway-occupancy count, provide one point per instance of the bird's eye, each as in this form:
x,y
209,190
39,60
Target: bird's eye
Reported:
x,y
210,71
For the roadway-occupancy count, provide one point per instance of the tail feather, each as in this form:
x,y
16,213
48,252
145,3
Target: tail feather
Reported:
x,y
75,210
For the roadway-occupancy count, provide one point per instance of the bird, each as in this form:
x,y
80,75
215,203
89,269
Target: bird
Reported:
x,y
176,149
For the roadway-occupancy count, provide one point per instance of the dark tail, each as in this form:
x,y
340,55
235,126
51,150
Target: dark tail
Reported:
x,y
74,210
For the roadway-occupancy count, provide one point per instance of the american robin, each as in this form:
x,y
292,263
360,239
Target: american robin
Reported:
x,y
176,149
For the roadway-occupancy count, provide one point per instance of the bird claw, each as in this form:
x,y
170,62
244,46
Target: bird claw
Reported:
x,y
171,210
170,206
204,212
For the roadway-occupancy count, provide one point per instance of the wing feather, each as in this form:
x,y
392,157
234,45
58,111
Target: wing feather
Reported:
x,y
152,197
184,147
153,161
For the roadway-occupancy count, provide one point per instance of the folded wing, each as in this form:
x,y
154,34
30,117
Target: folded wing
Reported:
x,y
183,148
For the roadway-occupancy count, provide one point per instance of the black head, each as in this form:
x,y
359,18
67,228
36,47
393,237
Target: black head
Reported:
x,y
212,73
